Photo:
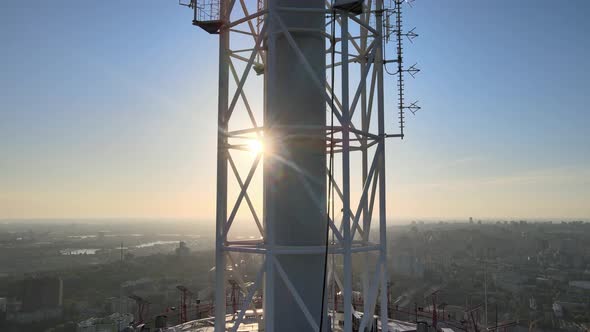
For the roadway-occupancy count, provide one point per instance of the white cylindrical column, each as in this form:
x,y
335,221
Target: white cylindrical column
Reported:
x,y
295,161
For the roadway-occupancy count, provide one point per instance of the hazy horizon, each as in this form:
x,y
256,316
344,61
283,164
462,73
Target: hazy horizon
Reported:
x,y
211,222
102,118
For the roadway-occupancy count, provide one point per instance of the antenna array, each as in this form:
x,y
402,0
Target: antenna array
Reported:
x,y
396,34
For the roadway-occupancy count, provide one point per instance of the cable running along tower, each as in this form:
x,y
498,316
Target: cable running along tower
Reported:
x,y
305,79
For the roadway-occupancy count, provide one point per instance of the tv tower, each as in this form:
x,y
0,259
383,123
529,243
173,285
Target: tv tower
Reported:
x,y
302,95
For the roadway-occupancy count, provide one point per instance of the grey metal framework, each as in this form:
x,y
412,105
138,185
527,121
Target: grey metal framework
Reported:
x,y
275,74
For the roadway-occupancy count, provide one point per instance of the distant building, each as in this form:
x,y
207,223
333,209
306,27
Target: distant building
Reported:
x,y
581,284
572,308
42,293
543,282
182,250
35,316
557,310
41,300
13,305
3,307
120,304
408,265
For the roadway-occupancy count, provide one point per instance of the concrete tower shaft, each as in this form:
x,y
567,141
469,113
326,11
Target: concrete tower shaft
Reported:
x,y
295,165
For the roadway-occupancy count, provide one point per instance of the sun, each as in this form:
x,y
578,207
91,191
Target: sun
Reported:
x,y
255,146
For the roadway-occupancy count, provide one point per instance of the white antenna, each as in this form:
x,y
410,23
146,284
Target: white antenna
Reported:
x,y
276,51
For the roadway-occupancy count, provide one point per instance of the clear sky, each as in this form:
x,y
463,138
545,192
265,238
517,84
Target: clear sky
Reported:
x,y
108,109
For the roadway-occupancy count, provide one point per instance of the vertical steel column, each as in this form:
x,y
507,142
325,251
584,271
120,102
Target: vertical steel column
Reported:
x,y
268,189
364,152
382,190
347,291
295,169
222,159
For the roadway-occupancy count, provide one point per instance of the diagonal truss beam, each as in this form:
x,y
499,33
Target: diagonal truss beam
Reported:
x,y
246,196
243,95
250,18
246,72
241,196
371,96
362,84
370,308
335,230
367,229
341,195
370,177
248,300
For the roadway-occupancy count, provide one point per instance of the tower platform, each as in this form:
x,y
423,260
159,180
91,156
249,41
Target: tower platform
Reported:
x,y
251,322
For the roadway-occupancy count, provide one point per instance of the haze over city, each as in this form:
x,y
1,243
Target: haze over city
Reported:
x,y
294,166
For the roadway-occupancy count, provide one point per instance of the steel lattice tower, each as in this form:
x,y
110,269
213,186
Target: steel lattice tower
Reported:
x,y
288,52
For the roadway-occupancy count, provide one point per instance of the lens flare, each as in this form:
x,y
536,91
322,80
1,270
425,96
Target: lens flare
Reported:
x,y
256,146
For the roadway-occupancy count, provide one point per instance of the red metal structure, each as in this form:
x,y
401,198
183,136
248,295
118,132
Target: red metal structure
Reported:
x,y
435,309
143,308
185,298
471,316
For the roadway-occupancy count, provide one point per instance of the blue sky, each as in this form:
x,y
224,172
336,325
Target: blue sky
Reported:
x,y
107,109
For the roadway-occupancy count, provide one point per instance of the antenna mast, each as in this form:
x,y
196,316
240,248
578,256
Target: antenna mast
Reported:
x,y
396,29
281,52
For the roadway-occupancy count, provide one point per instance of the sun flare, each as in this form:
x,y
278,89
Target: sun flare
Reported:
x,y
256,146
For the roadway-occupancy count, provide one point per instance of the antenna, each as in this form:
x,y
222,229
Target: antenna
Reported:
x,y
297,57
396,30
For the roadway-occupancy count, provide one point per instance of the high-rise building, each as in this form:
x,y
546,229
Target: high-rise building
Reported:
x,y
42,293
